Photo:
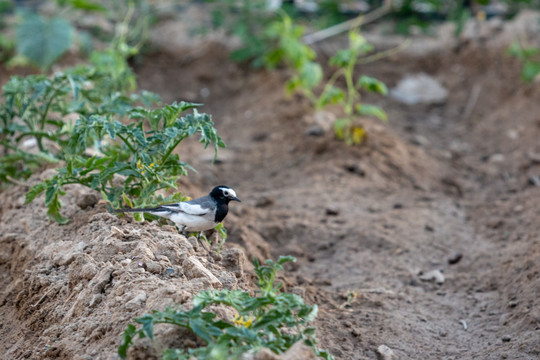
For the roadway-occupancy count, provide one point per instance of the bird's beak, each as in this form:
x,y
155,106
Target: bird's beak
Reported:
x,y
236,199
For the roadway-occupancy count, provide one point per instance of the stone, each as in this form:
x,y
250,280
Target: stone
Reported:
x,y
194,269
433,275
419,89
299,351
385,353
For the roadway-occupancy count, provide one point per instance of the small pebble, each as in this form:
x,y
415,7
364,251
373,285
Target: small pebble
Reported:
x,y
534,180
518,208
506,338
315,130
454,259
385,353
355,169
496,158
513,304
433,275
332,211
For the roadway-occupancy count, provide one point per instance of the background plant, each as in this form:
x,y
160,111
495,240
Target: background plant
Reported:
x,y
308,76
247,20
529,55
271,319
41,38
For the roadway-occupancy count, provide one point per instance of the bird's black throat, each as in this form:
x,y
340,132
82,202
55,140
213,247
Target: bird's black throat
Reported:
x,y
221,211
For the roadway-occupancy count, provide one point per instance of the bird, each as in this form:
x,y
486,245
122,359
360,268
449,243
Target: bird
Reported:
x,y
195,215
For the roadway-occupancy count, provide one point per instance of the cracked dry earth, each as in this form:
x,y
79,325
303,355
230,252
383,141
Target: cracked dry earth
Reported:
x,y
432,190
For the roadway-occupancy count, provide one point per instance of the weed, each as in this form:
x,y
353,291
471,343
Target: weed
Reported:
x,y
271,319
222,232
529,56
308,74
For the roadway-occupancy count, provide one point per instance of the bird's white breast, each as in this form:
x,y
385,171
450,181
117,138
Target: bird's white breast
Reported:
x,y
189,222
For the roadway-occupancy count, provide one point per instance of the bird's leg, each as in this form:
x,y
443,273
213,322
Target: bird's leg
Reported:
x,y
201,242
181,230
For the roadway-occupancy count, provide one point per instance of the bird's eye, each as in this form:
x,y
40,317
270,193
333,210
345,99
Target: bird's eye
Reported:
x,y
226,193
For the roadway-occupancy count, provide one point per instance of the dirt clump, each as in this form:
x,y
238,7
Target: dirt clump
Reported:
x,y
69,291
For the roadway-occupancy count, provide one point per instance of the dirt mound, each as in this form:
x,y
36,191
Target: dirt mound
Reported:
x,y
69,291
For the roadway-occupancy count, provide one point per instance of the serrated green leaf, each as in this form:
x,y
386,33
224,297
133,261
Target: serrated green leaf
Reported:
x,y
308,313
54,208
147,323
330,95
371,84
311,74
127,340
204,330
283,259
35,191
342,58
371,110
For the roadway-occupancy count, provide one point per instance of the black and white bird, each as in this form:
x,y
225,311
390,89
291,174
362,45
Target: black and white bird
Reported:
x,y
195,215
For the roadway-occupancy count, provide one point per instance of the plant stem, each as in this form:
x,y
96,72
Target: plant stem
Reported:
x,y
168,153
43,120
351,91
127,143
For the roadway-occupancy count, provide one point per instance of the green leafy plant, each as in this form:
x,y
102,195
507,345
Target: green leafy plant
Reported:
x,y
42,110
346,60
41,40
144,158
222,232
530,57
308,75
87,119
272,319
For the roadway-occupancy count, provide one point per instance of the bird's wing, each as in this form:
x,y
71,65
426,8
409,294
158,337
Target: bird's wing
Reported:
x,y
201,206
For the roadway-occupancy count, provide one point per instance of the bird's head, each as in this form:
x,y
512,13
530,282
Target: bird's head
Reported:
x,y
224,194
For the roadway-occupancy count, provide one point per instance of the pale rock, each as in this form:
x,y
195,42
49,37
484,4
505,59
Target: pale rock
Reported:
x,y
419,89
385,353
137,301
433,275
194,269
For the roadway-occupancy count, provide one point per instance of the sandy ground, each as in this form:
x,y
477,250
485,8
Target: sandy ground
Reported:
x,y
450,187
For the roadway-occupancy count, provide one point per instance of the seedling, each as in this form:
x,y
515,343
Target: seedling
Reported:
x,y
271,319
308,75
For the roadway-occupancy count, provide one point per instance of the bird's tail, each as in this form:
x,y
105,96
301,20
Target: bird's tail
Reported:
x,y
148,210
